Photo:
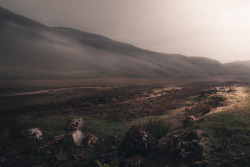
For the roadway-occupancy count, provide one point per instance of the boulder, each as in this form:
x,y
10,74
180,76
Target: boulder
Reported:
x,y
90,140
33,133
138,142
188,120
74,138
187,146
75,124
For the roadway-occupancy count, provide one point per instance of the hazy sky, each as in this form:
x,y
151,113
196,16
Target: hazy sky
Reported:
x,y
218,29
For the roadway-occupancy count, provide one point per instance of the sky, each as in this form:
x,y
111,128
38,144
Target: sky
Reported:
x,y
217,29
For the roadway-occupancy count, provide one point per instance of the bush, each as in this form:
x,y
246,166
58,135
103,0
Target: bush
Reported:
x,y
156,127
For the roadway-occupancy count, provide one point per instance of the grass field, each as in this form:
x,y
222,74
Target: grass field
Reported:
x,y
109,108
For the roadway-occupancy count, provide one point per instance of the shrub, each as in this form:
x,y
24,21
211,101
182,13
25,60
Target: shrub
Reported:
x,y
156,127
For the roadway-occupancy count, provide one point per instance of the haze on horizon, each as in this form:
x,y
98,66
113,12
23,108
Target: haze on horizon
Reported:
x,y
217,29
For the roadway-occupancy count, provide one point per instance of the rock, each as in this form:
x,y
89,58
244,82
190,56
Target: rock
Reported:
x,y
90,140
208,92
230,90
74,138
57,138
45,148
33,133
75,124
138,142
191,135
188,120
204,163
187,146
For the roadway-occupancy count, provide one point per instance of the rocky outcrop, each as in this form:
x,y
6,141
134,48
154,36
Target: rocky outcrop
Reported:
x,y
90,141
188,120
208,92
33,133
187,146
74,138
75,124
138,142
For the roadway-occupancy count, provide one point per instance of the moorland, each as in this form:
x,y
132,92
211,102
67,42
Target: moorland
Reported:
x,y
72,98
217,134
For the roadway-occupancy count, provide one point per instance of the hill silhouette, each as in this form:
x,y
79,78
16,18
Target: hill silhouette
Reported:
x,y
31,50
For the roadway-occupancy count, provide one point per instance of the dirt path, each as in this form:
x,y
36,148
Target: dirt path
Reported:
x,y
156,93
235,100
43,91
161,92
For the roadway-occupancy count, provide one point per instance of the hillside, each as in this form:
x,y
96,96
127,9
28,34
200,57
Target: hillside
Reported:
x,y
238,67
30,50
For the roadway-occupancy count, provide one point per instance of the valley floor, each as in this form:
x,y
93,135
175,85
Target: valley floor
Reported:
x,y
219,112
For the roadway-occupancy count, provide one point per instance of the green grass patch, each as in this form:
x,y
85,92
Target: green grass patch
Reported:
x,y
248,103
56,124
236,98
193,99
234,120
227,142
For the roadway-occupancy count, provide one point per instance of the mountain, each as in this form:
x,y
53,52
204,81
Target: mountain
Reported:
x,y
31,50
238,67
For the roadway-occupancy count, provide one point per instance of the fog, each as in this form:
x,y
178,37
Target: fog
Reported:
x,y
207,28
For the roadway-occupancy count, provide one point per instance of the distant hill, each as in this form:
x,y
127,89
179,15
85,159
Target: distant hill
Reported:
x,y
238,67
30,50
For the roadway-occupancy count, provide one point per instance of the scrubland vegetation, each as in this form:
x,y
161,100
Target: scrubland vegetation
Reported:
x,y
156,110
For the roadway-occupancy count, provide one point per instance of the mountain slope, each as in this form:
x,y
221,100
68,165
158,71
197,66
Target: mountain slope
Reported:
x,y
32,50
238,67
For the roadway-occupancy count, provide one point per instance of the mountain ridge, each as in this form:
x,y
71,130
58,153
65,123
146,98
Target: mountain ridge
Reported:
x,y
32,50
